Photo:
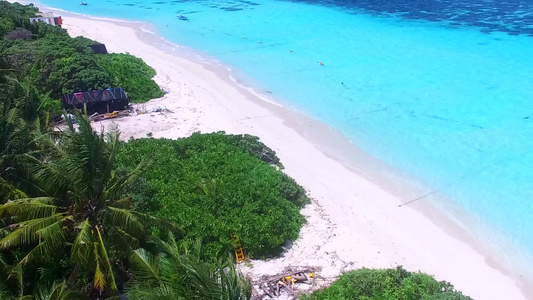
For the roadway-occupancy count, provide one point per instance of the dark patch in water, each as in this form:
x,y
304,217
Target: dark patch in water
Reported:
x,y
160,2
187,12
511,16
231,8
129,4
248,2
236,5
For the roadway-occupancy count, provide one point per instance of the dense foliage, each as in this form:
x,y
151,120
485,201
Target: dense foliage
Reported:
x,y
178,273
57,64
131,73
215,186
68,235
77,225
389,284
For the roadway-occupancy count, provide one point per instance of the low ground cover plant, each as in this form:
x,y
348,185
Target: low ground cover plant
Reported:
x,y
215,186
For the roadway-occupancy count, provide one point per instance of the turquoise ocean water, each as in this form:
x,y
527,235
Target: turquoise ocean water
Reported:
x,y
441,90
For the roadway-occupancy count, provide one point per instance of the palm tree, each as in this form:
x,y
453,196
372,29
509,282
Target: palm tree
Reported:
x,y
21,121
83,211
10,132
178,273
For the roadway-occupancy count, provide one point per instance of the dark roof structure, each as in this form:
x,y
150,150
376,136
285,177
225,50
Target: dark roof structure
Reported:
x,y
101,101
99,49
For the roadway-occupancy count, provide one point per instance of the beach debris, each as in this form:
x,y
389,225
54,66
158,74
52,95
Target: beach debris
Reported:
x,y
141,110
285,285
115,114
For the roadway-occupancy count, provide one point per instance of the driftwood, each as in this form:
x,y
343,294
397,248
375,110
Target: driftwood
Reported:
x,y
274,286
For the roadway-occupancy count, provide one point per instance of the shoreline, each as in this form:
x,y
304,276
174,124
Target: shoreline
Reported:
x,y
380,234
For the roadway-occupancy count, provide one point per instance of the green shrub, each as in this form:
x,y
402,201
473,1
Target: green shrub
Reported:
x,y
17,10
77,73
215,186
132,74
389,284
6,25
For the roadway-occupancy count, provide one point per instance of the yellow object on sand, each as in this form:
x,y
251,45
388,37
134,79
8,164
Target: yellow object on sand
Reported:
x,y
111,115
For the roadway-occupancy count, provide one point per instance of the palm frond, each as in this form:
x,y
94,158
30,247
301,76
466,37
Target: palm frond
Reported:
x,y
116,183
16,276
233,285
166,226
59,290
185,275
57,173
89,150
128,240
112,139
82,248
124,219
29,208
27,233
160,292
35,254
9,191
104,260
202,278
55,235
123,203
99,281
146,265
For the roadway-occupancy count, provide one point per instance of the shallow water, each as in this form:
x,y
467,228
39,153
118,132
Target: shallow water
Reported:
x,y
438,89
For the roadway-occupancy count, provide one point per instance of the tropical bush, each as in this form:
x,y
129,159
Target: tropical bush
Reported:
x,y
6,25
78,73
216,186
132,74
17,10
389,284
57,64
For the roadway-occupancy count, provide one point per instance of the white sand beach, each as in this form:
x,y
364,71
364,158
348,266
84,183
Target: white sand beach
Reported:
x,y
354,220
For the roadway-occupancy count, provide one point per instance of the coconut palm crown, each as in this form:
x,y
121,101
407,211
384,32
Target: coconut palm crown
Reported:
x,y
82,212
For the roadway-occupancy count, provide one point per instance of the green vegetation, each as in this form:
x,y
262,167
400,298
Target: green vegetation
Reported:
x,y
79,210
56,64
67,232
131,73
215,186
390,284
179,274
